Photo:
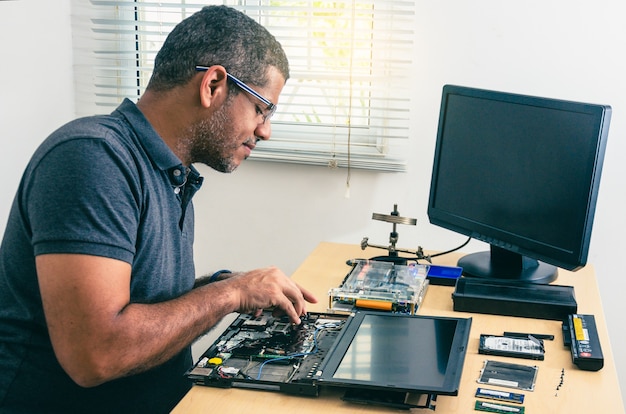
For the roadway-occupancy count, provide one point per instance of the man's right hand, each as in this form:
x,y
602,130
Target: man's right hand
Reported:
x,y
270,288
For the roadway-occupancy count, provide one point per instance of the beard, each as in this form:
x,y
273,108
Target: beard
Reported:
x,y
212,141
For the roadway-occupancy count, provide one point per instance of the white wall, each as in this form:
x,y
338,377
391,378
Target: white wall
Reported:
x,y
276,214
36,91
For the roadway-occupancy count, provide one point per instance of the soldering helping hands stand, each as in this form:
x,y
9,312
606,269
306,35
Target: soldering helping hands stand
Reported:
x,y
393,255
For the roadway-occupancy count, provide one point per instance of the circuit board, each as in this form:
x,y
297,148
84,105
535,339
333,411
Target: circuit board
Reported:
x,y
269,352
382,286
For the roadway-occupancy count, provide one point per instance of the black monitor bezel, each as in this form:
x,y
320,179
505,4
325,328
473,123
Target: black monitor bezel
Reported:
x,y
568,259
453,372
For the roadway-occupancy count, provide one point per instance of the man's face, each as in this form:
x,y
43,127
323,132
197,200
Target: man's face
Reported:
x,y
227,138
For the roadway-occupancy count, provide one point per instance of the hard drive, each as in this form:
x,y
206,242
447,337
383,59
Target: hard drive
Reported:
x,y
528,348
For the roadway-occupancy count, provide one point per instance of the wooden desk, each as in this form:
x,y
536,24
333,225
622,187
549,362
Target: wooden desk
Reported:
x,y
580,392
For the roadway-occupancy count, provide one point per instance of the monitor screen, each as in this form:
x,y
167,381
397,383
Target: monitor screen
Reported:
x,y
400,352
520,173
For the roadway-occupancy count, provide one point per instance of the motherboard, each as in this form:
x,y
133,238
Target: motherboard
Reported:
x,y
268,350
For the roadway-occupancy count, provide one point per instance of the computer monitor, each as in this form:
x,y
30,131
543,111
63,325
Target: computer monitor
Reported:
x,y
520,173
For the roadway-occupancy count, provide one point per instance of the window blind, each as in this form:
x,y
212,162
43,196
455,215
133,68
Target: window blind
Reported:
x,y
346,103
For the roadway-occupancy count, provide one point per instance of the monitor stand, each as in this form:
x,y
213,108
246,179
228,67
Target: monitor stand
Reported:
x,y
502,264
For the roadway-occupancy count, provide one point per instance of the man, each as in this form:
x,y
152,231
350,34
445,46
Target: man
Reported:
x,y
98,298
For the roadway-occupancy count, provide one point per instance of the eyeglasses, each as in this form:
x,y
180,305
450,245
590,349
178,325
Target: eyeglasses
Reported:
x,y
270,107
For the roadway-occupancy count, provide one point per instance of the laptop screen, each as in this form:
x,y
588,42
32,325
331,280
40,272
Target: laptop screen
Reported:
x,y
391,351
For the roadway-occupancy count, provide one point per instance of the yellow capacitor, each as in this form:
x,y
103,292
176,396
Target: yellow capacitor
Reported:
x,y
215,361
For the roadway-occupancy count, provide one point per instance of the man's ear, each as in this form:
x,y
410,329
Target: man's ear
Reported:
x,y
213,87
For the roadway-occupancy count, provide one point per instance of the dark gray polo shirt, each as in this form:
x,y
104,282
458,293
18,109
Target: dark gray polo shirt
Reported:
x,y
105,186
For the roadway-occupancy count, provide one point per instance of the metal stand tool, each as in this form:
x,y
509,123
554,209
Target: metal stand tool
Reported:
x,y
394,218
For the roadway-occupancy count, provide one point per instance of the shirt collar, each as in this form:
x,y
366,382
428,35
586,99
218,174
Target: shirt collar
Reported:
x,y
158,151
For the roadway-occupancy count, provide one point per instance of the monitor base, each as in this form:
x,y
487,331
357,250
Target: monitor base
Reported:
x,y
505,265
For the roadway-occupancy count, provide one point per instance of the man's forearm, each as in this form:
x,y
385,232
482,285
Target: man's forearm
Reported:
x,y
144,336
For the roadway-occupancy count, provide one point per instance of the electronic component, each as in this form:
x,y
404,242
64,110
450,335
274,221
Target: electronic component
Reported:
x,y
268,349
508,375
382,286
492,407
443,275
259,324
581,335
548,337
500,395
529,347
514,298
